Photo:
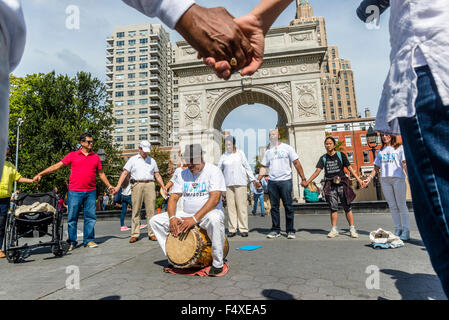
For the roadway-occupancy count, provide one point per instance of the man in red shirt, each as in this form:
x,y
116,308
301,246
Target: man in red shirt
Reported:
x,y
82,189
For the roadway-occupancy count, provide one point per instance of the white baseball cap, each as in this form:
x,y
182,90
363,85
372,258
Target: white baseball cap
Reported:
x,y
145,146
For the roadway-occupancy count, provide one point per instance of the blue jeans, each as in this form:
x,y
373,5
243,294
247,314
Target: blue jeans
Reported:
x,y
126,201
281,190
426,146
258,197
76,199
4,207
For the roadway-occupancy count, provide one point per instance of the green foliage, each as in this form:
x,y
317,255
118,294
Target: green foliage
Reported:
x,y
159,203
57,109
162,159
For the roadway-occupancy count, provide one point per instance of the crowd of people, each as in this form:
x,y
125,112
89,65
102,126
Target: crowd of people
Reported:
x,y
413,104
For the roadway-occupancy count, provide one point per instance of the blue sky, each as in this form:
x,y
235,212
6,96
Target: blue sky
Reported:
x,y
51,46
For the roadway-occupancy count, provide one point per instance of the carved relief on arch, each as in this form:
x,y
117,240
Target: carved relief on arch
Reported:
x,y
307,101
284,91
212,97
192,109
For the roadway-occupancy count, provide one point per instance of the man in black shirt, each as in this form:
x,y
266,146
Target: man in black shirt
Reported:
x,y
336,184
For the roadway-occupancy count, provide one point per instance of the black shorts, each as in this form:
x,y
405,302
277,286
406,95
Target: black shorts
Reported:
x,y
337,191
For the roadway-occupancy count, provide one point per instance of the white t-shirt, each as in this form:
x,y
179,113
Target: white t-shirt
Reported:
x,y
195,189
140,168
235,168
389,160
127,191
279,159
176,174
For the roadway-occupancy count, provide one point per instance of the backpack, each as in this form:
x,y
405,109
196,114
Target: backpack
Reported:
x,y
339,157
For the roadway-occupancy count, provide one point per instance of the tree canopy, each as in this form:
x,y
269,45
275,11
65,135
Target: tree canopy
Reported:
x,y
56,110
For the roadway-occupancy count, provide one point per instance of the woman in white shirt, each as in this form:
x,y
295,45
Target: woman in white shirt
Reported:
x,y
236,171
390,161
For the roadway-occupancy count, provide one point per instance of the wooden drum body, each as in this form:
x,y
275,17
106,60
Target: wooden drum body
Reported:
x,y
193,249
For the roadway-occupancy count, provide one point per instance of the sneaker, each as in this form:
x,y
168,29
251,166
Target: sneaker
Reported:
x,y
397,232
2,255
124,228
231,234
291,235
254,214
273,234
405,235
353,233
143,226
333,233
213,272
71,247
91,245
244,234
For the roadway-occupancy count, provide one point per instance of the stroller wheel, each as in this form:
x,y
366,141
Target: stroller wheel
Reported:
x,y
13,256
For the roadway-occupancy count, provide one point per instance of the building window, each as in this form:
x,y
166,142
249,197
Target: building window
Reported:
x,y
118,130
143,32
143,41
143,74
132,50
363,140
347,127
120,76
143,128
119,85
143,58
120,60
131,103
143,92
131,42
129,146
143,49
143,120
366,156
119,94
143,101
131,121
119,139
351,157
119,68
143,83
348,141
132,58
143,137
131,138
131,67
131,33
131,84
119,121
143,65
143,110
131,129
120,34
120,43
119,112
131,93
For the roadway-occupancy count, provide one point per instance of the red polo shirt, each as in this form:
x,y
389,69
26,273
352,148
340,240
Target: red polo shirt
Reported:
x,y
83,170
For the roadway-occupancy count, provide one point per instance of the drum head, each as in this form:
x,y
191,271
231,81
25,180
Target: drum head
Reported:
x,y
182,250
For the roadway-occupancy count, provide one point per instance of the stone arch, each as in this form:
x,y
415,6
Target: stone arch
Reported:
x,y
237,97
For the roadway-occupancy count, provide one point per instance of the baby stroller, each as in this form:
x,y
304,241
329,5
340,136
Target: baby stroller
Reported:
x,y
34,223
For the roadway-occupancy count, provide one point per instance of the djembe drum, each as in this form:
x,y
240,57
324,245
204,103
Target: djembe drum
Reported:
x,y
192,250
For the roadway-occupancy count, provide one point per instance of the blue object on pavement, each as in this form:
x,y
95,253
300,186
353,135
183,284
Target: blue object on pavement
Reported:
x,y
388,245
249,248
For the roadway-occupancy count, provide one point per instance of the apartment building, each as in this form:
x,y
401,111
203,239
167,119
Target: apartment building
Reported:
x,y
337,78
139,83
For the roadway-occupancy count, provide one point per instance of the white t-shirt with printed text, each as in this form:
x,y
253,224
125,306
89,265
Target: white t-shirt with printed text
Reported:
x,y
389,160
279,159
195,189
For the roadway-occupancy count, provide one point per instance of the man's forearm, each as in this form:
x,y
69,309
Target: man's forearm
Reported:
x,y
51,169
105,180
299,169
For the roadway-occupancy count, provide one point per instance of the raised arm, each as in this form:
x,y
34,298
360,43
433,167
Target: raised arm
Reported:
x,y
49,170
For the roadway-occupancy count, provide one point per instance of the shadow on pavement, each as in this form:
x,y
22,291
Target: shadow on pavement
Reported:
x,y
274,294
416,286
314,231
261,230
162,263
106,238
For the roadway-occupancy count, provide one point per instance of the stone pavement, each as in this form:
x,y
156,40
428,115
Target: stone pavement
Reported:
x,y
308,267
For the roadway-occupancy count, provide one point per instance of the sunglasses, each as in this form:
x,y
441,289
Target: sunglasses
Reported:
x,y
88,141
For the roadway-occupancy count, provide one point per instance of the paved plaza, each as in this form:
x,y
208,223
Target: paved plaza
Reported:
x,y
308,267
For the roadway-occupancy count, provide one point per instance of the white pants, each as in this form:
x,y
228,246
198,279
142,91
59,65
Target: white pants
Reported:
x,y
394,190
213,223
4,98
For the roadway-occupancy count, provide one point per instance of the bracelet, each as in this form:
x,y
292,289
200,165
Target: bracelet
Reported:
x,y
196,221
172,218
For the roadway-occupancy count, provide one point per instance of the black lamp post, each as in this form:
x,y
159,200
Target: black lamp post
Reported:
x,y
371,138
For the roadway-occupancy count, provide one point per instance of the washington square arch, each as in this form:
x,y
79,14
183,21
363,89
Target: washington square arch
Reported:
x,y
288,82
